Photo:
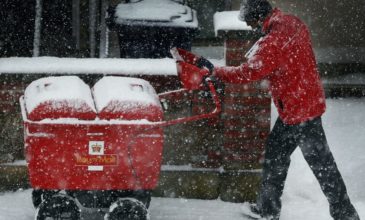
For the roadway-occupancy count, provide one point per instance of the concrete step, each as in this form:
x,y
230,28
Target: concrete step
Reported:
x,y
195,183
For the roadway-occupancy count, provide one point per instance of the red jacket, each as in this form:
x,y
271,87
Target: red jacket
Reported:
x,y
285,58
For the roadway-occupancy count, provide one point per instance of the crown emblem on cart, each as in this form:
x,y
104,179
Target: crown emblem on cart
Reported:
x,y
96,148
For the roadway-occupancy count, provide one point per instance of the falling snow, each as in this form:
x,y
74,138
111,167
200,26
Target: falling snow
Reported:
x,y
65,37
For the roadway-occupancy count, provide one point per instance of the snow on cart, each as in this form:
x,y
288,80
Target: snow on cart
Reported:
x,y
96,150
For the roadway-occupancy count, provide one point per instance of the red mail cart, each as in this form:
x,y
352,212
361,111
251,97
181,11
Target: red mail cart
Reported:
x,y
97,150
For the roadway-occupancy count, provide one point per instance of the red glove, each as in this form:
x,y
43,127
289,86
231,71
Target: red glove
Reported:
x,y
191,76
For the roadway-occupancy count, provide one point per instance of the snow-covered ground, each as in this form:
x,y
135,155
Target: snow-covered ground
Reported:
x,y
344,123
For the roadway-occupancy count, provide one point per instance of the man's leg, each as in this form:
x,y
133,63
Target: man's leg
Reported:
x,y
280,145
316,152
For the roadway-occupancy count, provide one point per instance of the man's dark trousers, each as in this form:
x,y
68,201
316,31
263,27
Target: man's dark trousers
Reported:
x,y
311,139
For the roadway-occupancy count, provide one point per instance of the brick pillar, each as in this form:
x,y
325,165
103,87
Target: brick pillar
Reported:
x,y
246,119
209,139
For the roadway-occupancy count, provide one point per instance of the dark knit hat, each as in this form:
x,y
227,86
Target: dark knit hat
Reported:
x,y
253,10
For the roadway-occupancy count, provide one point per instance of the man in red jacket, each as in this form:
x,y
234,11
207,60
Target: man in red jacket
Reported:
x,y
284,57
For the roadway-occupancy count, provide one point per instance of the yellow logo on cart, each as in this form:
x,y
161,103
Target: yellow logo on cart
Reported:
x,y
96,156
96,160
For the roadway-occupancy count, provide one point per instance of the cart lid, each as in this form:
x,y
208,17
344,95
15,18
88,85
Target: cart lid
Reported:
x,y
126,98
59,97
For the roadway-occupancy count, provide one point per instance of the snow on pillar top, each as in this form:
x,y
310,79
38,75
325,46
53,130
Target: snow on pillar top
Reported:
x,y
227,21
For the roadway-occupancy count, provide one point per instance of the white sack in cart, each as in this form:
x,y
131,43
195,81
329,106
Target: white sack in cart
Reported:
x,y
127,99
59,97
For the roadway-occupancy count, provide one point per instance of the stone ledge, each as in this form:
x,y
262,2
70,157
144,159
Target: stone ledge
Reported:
x,y
188,184
231,186
13,177
240,186
344,90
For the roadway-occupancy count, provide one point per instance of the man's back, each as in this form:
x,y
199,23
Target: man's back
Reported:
x,y
295,84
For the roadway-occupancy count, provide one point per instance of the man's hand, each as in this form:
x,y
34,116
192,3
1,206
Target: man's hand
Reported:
x,y
216,83
203,75
203,62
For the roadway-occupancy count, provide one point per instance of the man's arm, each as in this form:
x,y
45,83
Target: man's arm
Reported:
x,y
262,61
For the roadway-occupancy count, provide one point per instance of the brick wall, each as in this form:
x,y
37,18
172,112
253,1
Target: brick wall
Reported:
x,y
210,131
10,91
11,132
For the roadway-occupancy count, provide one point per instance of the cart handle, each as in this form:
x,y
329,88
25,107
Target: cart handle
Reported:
x,y
216,111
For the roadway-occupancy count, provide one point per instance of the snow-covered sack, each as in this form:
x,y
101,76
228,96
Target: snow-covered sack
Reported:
x,y
59,97
126,98
111,98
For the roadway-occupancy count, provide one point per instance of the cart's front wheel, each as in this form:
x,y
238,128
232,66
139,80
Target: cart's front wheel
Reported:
x,y
128,209
58,207
39,195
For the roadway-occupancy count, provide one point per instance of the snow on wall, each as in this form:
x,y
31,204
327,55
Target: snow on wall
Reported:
x,y
156,12
228,20
55,65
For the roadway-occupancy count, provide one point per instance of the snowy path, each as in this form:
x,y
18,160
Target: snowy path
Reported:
x,y
344,123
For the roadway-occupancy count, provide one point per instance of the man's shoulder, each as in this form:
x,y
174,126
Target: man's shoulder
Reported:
x,y
284,17
283,22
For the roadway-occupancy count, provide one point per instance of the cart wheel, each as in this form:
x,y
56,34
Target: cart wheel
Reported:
x,y
37,197
147,200
128,209
144,197
58,207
